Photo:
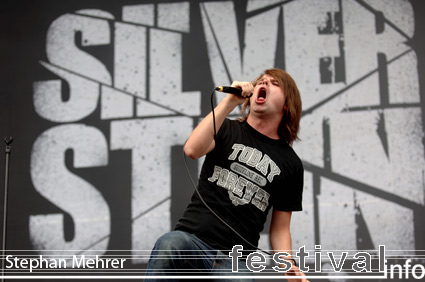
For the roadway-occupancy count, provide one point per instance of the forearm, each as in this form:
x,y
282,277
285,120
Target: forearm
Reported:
x,y
281,242
201,141
280,235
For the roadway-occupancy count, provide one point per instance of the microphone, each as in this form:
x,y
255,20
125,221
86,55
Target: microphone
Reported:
x,y
231,90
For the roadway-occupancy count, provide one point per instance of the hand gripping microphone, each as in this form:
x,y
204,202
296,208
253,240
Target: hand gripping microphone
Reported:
x,y
231,90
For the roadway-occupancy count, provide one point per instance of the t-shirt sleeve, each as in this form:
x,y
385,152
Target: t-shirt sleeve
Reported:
x,y
224,133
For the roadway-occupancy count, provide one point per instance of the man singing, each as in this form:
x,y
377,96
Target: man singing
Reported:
x,y
250,168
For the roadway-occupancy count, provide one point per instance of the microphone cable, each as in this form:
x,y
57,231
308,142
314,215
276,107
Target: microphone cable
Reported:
x,y
202,199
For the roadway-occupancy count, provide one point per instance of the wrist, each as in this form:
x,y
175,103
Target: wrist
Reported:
x,y
294,263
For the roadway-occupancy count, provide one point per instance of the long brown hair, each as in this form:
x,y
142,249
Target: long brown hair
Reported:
x,y
290,124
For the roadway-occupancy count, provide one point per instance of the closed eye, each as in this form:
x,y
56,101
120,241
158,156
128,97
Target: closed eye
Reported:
x,y
275,83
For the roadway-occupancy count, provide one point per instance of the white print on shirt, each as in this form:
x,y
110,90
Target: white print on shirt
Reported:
x,y
241,191
254,158
241,182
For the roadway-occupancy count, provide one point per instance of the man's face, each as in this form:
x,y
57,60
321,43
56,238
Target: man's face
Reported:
x,y
268,98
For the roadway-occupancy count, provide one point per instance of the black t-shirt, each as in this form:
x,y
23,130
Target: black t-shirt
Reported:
x,y
241,179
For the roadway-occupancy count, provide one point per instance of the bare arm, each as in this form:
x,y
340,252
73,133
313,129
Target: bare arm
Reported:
x,y
280,240
280,235
201,141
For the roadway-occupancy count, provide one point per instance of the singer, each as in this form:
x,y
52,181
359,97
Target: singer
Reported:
x,y
249,169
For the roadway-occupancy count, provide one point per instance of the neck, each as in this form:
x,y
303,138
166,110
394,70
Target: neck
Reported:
x,y
267,127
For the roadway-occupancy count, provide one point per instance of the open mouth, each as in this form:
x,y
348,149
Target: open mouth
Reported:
x,y
262,93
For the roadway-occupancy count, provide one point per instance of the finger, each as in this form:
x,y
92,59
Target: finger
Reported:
x,y
237,84
246,87
249,90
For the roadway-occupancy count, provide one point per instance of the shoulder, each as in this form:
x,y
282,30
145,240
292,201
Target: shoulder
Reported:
x,y
232,122
230,126
289,161
229,131
296,162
